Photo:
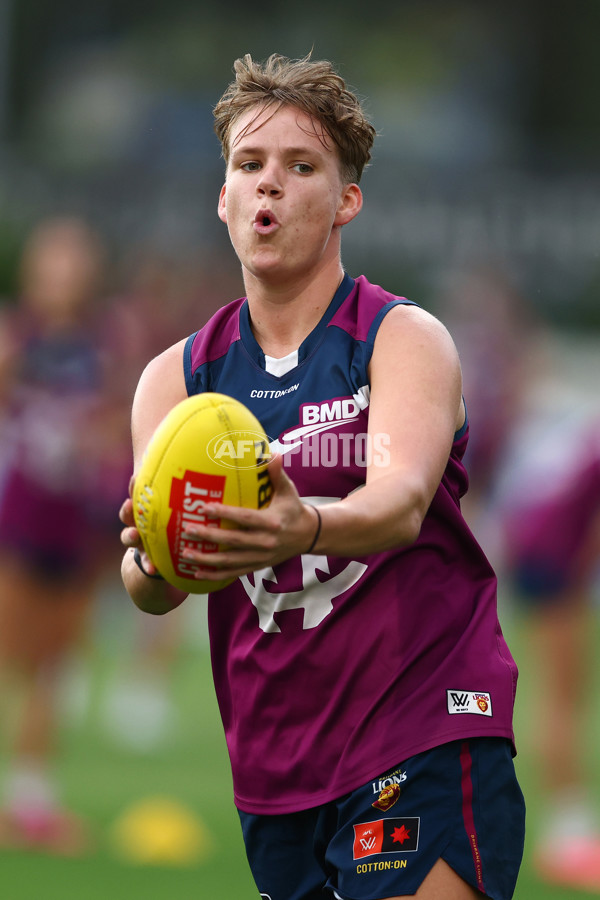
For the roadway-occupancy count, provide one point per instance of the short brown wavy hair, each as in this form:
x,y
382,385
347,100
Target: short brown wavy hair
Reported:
x,y
312,86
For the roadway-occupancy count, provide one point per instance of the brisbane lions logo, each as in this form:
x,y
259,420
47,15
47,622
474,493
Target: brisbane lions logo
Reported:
x,y
387,797
314,597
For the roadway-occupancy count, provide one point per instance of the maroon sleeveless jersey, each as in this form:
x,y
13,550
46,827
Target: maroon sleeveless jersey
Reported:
x,y
330,670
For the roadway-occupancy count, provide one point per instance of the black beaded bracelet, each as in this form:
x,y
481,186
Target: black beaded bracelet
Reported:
x,y
318,531
137,558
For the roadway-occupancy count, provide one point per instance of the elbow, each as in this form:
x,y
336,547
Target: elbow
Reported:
x,y
411,521
411,528
149,595
158,602
404,532
153,609
158,599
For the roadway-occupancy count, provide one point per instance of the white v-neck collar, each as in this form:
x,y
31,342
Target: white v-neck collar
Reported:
x,y
281,366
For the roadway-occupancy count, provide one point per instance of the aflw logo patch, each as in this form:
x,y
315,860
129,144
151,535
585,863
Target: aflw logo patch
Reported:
x,y
386,836
479,702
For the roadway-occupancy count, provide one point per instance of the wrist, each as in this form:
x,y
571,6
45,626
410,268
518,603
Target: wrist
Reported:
x,y
137,558
317,533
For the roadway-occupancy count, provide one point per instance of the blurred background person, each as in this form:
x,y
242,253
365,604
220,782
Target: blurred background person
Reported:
x,y
60,430
534,488
157,289
549,501
498,336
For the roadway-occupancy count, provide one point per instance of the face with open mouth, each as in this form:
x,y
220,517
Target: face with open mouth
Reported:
x,y
283,196
265,222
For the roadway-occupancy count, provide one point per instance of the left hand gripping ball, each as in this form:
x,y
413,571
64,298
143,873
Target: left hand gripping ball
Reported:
x,y
209,449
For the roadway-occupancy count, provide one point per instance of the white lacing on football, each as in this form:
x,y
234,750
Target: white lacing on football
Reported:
x,y
144,500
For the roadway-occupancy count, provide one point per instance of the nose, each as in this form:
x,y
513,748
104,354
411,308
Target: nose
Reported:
x,y
270,182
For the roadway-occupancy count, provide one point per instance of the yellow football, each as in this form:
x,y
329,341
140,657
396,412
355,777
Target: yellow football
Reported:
x,y
209,449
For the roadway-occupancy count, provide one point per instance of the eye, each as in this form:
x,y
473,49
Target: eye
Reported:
x,y
250,166
303,168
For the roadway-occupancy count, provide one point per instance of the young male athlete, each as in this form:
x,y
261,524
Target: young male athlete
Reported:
x,y
364,684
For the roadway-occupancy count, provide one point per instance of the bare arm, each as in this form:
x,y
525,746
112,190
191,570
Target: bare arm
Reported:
x,y
160,388
416,408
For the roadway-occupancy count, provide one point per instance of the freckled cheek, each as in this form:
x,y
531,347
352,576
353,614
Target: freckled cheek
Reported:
x,y
315,219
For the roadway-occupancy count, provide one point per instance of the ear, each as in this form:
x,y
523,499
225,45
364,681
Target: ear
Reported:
x,y
222,207
350,204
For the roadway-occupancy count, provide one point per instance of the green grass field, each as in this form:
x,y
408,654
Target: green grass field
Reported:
x,y
102,779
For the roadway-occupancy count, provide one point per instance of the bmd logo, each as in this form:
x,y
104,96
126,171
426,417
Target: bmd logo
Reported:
x,y
239,449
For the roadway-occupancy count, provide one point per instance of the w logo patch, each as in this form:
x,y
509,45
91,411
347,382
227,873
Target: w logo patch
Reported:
x,y
478,703
459,701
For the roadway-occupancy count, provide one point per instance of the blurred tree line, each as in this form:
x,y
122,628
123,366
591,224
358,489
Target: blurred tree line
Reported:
x,y
487,116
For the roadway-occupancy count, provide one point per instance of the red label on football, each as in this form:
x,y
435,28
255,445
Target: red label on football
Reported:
x,y
188,494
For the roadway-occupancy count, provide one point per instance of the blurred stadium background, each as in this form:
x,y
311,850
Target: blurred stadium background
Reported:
x,y
485,184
